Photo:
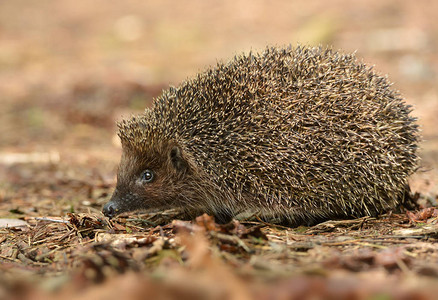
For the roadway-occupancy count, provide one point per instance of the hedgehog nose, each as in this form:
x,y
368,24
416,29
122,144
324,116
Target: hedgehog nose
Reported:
x,y
110,209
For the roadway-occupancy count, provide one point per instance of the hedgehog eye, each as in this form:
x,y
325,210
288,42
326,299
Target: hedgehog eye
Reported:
x,y
147,176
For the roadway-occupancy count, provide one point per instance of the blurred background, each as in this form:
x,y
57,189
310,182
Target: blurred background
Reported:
x,y
69,69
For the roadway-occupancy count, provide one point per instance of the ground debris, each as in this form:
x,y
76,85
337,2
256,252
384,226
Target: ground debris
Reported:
x,y
426,215
91,249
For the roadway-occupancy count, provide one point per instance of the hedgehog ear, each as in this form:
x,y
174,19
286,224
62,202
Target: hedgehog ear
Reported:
x,y
178,162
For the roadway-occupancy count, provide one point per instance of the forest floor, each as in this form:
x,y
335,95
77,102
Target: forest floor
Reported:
x,y
68,71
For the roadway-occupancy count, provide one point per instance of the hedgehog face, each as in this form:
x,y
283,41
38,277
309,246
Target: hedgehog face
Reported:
x,y
148,180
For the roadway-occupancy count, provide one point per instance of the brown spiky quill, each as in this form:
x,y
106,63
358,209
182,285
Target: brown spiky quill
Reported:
x,y
294,134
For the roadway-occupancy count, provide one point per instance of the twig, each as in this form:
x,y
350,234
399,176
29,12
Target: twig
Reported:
x,y
51,220
231,238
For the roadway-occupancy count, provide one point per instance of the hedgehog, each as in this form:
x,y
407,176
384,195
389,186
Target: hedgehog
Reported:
x,y
294,135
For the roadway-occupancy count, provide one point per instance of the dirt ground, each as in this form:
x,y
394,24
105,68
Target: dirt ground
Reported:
x,y
70,69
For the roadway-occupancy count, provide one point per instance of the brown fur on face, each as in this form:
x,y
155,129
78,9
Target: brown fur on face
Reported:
x,y
170,171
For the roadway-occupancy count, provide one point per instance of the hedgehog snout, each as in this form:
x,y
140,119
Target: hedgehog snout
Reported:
x,y
119,203
110,209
